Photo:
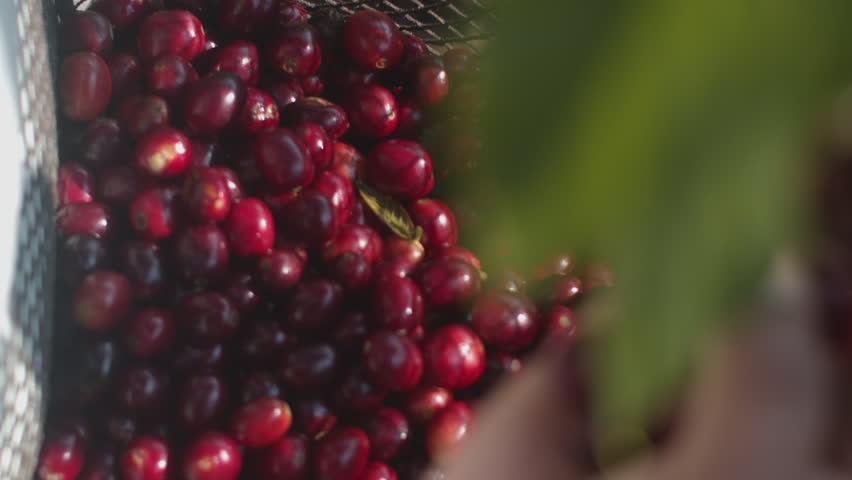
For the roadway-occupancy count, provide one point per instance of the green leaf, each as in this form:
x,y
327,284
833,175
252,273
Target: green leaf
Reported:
x,y
666,137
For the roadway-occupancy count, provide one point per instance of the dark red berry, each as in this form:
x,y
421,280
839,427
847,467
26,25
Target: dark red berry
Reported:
x,y
263,341
208,318
413,49
212,456
206,195
446,282
423,403
400,168
84,86
241,291
153,212
126,72
289,13
117,186
372,40
201,253
456,252
388,432
60,460
259,113
79,255
411,120
149,332
146,458
239,57
280,270
505,321
351,270
143,390
448,429
261,422
164,152
317,110
141,114
192,358
312,85
560,322
245,16
314,417
74,184
250,228
373,111
94,371
259,384
170,75
355,239
561,289
340,191
101,143
85,31
232,181
378,471
403,251
286,459
342,454
285,93
453,357
310,367
282,159
350,331
430,83
143,263
392,361
316,141
357,394
295,51
122,13
102,300
397,304
314,305
213,102
170,32
83,218
437,221
310,218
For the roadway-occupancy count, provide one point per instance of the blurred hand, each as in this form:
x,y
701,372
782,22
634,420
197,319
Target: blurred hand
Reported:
x,y
759,410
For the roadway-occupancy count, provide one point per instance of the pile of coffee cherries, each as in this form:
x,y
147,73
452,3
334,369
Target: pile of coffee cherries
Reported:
x,y
253,280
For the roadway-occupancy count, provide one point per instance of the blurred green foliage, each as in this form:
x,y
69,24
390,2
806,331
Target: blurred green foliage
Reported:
x,y
666,136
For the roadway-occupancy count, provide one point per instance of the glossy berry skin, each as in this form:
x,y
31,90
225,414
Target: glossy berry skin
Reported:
x,y
295,51
164,152
350,331
143,390
263,341
397,304
139,115
341,192
313,85
280,270
400,168
310,367
314,417
149,332
437,221
259,384
372,111
357,394
453,357
411,120
261,422
314,305
342,454
259,112
430,82
212,456
170,32
286,459
378,471
560,322
413,49
310,218
446,282
122,13
388,431
317,110
316,141
191,358
201,253
285,93
102,300
79,255
213,102
153,212
403,251
450,427
239,57
232,181
456,252
117,186
351,270
240,288
146,458
206,194
372,40
208,318
245,16
89,218
74,184
143,263
126,73
86,31
101,143
170,75
505,321
392,361
499,366
84,86
282,159
250,228
358,239
561,289
289,13
423,403
60,459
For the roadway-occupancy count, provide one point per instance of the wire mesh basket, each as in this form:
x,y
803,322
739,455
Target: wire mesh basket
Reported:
x,y
27,236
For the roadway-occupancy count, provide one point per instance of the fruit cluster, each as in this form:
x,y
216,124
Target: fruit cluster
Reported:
x,y
251,297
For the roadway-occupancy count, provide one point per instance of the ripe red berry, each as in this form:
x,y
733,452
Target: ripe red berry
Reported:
x,y
388,432
175,32
102,300
400,168
212,456
84,86
286,459
250,228
448,429
261,422
146,458
392,361
505,321
372,40
164,152
453,357
342,454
